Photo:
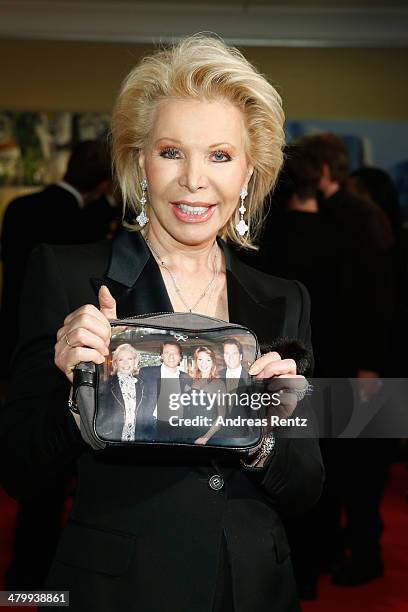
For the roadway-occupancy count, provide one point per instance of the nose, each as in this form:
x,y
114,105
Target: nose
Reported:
x,y
193,175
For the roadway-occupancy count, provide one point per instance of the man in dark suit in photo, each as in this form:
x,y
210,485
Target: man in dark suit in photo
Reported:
x,y
156,410
237,380
234,374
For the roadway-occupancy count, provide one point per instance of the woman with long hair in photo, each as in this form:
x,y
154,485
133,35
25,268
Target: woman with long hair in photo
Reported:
x,y
206,379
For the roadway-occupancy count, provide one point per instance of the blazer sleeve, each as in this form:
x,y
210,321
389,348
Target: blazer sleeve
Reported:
x,y
38,433
293,477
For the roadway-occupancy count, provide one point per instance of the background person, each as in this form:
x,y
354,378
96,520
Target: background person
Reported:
x,y
303,244
54,215
356,469
367,236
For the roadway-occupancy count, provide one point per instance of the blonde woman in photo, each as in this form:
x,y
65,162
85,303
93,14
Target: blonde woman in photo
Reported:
x,y
120,416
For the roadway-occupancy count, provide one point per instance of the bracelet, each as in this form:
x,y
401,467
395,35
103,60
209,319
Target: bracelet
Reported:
x,y
300,393
266,449
72,405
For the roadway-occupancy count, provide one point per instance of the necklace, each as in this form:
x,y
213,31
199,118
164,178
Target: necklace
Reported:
x,y
173,277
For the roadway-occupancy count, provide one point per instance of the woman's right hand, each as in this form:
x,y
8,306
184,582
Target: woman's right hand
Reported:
x,y
85,334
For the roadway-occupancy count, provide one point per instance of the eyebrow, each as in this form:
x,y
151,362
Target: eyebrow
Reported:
x,y
212,146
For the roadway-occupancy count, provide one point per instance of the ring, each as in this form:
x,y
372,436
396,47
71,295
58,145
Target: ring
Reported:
x,y
67,340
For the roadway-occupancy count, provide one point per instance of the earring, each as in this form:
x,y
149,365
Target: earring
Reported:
x,y
242,226
142,218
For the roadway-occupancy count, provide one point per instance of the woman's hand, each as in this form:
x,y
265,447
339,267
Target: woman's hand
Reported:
x,y
85,334
283,379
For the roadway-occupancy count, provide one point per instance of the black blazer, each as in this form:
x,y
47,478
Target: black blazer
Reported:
x,y
51,215
152,377
148,527
243,379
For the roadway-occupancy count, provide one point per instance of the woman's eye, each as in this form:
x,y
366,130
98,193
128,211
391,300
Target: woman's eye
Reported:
x,y
170,153
220,156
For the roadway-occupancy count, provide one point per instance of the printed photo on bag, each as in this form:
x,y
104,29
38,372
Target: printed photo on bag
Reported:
x,y
177,387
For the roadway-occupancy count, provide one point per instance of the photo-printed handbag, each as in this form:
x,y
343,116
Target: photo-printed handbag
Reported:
x,y
178,379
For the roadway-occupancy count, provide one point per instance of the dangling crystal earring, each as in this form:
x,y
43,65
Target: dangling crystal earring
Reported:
x,y
242,226
142,218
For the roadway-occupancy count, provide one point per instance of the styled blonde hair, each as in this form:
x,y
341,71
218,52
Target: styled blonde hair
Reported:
x,y
130,349
202,68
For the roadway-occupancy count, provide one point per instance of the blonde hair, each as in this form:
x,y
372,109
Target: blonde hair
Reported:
x,y
130,349
203,68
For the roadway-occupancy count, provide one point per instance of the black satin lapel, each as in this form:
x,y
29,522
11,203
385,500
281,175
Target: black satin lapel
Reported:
x,y
266,319
147,295
133,277
116,392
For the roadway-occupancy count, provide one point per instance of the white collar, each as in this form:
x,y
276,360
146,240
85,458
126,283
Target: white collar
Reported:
x,y
167,373
234,373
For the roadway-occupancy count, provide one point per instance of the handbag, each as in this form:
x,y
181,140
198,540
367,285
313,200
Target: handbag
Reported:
x,y
172,379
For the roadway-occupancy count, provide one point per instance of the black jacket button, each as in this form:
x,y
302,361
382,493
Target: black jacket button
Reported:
x,y
216,482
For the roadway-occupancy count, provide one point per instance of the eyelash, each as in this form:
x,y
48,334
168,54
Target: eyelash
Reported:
x,y
172,149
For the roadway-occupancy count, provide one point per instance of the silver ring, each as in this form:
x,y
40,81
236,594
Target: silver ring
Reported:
x,y
67,340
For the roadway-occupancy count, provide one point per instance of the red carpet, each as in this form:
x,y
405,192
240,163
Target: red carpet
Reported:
x,y
387,594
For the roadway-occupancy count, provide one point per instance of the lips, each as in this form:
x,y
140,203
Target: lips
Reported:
x,y
196,212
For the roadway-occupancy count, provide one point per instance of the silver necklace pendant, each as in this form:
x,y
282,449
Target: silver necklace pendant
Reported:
x,y
174,278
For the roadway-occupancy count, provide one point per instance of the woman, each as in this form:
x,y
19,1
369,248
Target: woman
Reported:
x,y
119,414
205,378
197,141
204,364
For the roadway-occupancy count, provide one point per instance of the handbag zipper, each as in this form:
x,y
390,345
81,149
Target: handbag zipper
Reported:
x,y
121,322
169,314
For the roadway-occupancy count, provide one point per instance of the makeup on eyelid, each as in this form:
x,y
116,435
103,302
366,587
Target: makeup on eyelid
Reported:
x,y
174,150
195,169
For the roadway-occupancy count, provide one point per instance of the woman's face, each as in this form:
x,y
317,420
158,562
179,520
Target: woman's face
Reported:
x,y
204,364
195,165
126,362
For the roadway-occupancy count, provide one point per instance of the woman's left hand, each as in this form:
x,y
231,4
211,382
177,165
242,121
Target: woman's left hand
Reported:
x,y
283,379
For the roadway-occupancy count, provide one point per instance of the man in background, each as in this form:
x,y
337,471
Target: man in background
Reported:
x,y
356,469
367,237
55,215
